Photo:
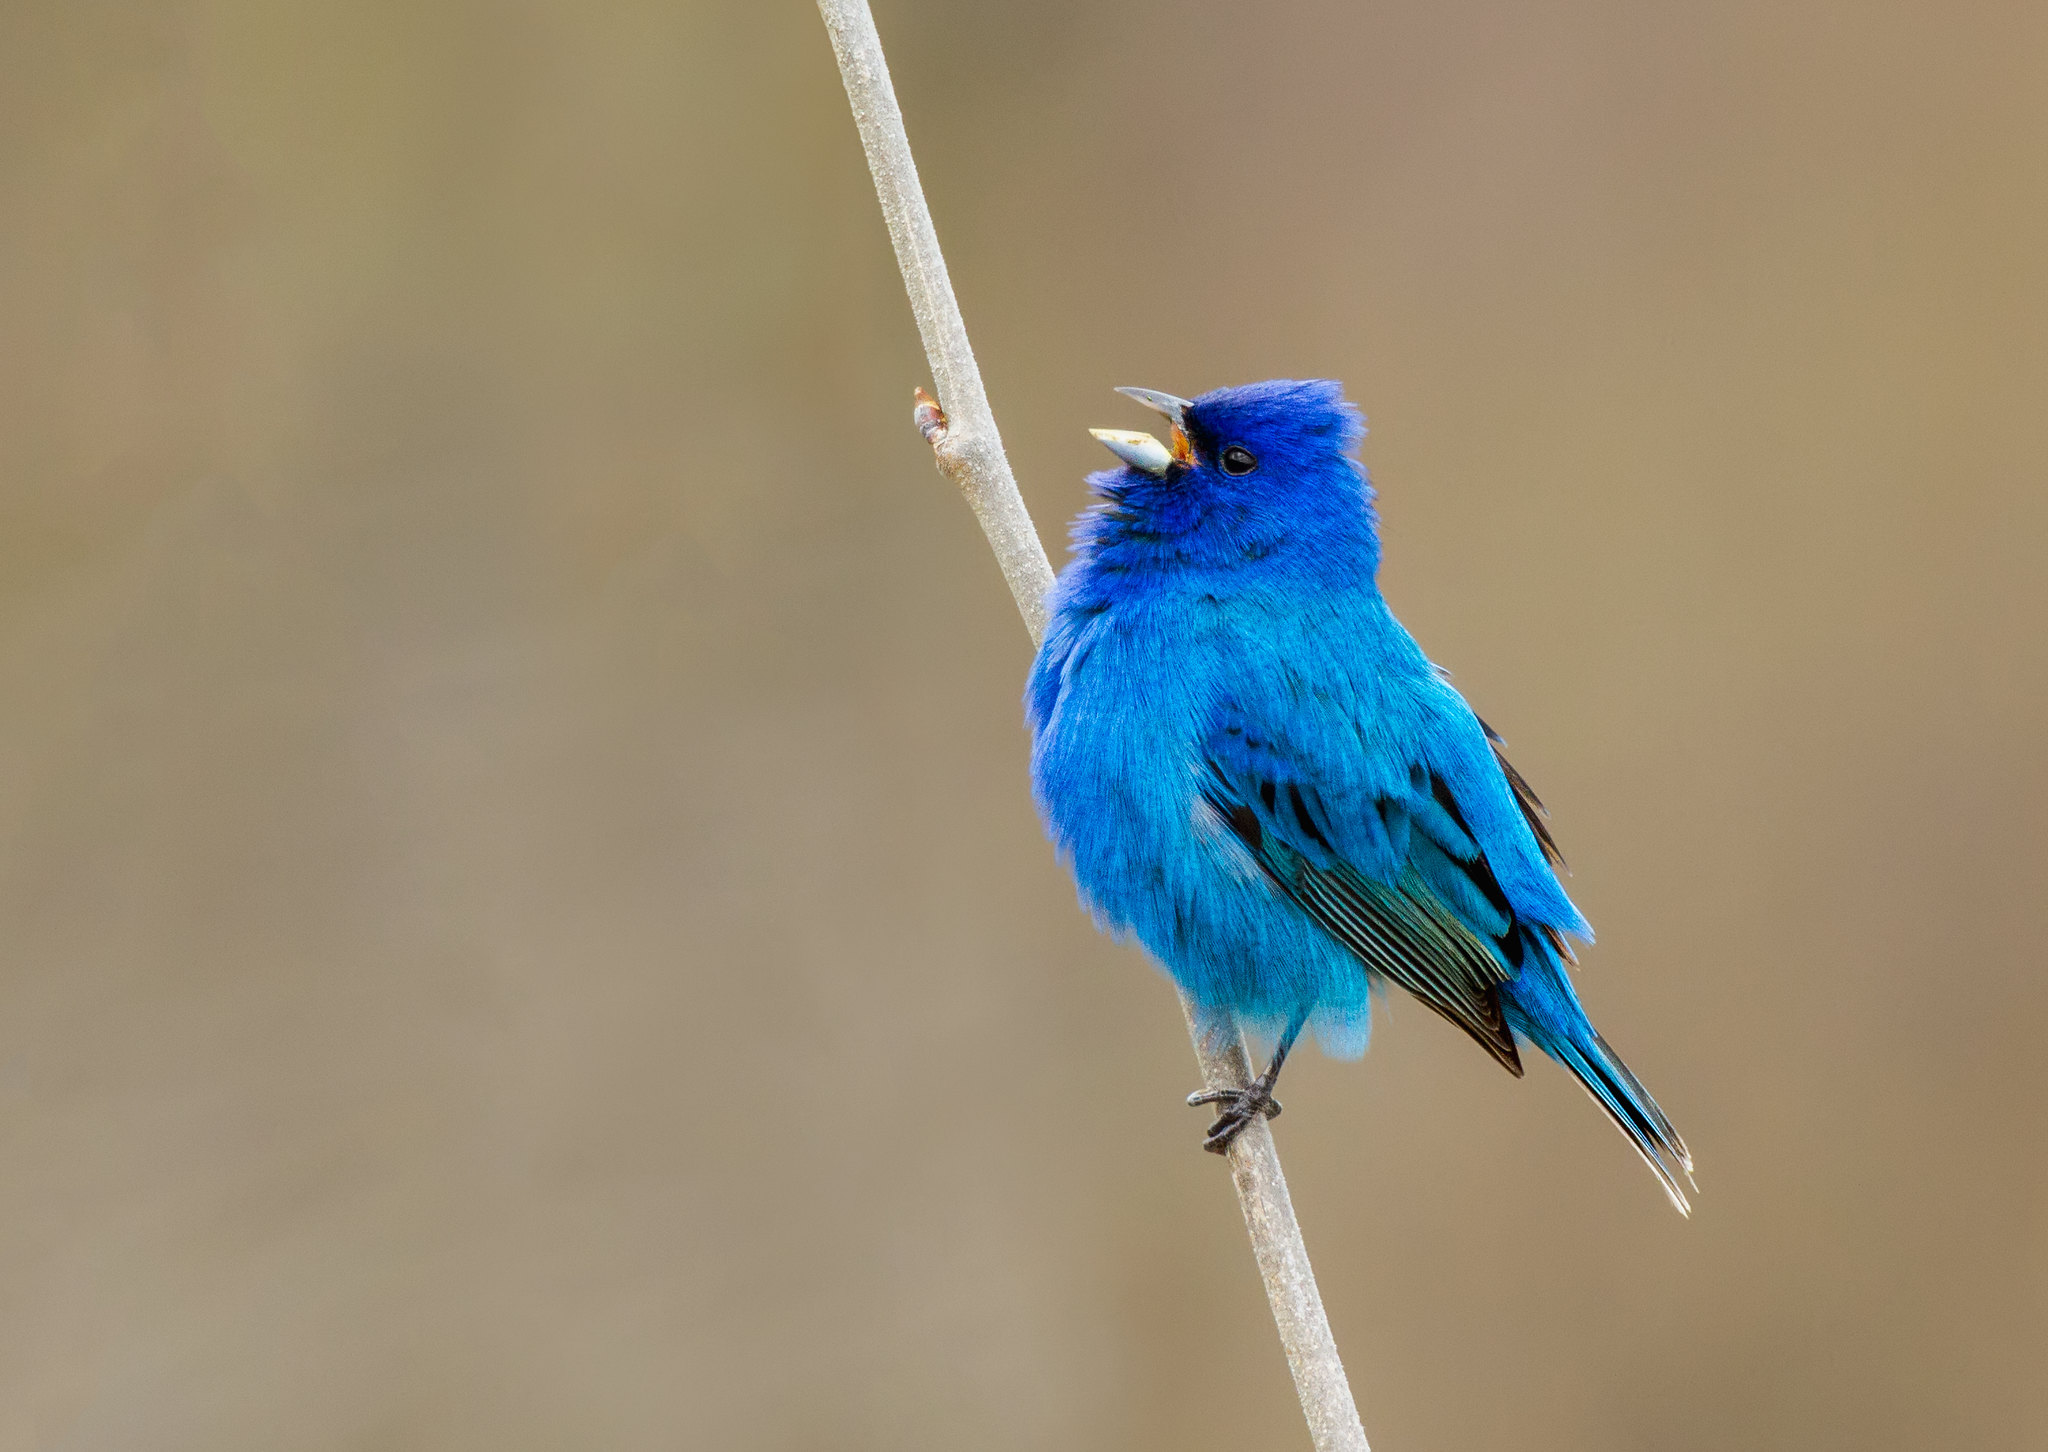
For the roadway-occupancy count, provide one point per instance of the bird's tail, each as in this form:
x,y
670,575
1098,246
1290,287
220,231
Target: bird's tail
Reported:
x,y
1542,1008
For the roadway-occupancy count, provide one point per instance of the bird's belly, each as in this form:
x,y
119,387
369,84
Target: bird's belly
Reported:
x,y
1118,774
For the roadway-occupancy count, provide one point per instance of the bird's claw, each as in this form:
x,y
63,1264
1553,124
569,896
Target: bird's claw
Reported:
x,y
1241,1107
1268,1105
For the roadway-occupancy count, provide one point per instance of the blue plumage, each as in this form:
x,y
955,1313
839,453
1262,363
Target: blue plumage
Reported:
x,y
1252,768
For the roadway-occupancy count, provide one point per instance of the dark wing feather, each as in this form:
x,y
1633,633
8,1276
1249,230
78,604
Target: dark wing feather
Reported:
x,y
1400,929
1533,810
1535,814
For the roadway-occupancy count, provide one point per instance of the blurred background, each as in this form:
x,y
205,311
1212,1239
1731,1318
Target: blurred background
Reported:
x,y
521,919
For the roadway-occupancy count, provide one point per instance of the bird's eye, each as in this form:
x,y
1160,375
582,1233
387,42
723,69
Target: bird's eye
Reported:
x,y
1237,459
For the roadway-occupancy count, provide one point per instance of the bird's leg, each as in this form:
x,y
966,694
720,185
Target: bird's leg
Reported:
x,y
1242,1106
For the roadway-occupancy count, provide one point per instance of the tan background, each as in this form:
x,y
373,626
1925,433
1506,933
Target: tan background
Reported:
x,y
522,921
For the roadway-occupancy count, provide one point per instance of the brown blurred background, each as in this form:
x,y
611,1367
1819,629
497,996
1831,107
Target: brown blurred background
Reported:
x,y
522,920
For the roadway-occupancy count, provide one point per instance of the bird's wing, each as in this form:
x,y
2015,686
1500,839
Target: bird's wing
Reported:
x,y
1390,870
1533,810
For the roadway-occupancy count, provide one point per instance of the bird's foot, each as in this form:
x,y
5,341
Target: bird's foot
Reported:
x,y
1240,1108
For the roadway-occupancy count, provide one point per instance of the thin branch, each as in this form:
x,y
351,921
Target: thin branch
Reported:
x,y
962,432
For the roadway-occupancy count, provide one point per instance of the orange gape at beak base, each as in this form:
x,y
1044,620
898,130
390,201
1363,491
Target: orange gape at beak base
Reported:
x,y
1142,451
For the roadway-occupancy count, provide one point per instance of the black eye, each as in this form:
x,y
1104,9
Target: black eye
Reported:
x,y
1237,459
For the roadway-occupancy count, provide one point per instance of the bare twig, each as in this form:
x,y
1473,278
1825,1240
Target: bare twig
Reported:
x,y
962,432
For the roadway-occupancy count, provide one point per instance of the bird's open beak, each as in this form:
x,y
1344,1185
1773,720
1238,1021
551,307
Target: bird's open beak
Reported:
x,y
1142,451
1163,404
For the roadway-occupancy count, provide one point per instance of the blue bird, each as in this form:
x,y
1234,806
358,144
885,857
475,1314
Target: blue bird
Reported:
x,y
1252,768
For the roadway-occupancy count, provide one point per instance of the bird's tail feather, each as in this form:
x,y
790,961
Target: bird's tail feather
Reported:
x,y
1634,1112
1541,1007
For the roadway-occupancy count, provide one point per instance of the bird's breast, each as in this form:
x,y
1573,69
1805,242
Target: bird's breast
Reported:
x,y
1115,763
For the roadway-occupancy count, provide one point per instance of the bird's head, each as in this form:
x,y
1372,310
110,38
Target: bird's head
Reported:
x,y
1243,468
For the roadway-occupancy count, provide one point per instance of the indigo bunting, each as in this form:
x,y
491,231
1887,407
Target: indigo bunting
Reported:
x,y
1252,768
